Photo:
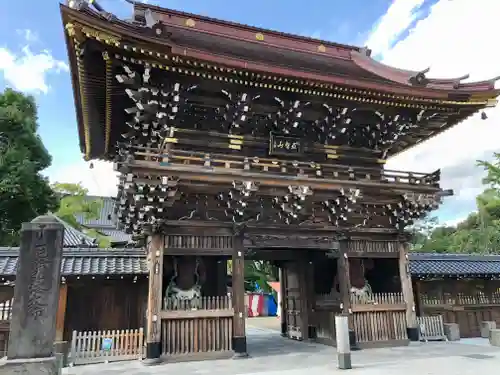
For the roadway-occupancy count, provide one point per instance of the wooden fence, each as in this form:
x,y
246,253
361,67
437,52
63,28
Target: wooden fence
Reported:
x,y
6,310
5,316
379,318
204,331
462,299
106,346
431,328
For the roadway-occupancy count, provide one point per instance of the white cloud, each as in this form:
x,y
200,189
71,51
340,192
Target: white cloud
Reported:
x,y
99,180
389,27
28,35
28,71
443,42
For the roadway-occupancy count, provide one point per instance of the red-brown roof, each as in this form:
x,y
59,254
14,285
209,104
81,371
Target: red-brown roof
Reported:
x,y
357,60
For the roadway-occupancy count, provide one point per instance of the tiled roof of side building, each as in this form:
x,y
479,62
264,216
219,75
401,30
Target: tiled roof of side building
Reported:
x,y
454,264
74,238
106,223
97,261
106,215
86,262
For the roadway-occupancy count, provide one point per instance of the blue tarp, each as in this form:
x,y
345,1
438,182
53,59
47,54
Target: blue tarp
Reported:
x,y
272,307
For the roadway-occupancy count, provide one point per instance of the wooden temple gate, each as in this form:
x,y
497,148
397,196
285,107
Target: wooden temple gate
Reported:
x,y
214,150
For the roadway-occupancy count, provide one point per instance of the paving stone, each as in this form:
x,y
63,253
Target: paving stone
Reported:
x,y
274,355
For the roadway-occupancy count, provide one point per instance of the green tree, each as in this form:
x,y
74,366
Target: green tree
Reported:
x,y
74,202
24,192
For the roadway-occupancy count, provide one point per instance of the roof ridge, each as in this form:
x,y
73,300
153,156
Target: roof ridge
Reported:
x,y
220,21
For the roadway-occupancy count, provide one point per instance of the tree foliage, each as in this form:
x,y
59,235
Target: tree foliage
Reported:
x,y
74,202
479,232
24,192
257,274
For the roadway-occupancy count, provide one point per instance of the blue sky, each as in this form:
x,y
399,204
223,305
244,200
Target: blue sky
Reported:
x,y
33,55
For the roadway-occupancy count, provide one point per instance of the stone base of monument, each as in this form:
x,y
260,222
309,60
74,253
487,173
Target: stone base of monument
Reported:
x,y
486,326
30,366
495,337
452,331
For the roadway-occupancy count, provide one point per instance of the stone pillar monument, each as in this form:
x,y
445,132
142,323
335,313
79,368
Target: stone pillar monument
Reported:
x,y
36,295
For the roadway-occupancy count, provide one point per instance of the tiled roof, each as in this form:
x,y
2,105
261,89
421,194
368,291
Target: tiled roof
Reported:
x,y
74,238
106,216
83,262
106,223
454,264
116,235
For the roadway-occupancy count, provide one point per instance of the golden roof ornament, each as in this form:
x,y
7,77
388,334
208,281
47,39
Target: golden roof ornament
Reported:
x,y
190,22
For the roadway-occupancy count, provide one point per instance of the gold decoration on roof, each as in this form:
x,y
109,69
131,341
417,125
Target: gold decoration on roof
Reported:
x,y
259,36
190,22
70,29
321,48
490,103
99,35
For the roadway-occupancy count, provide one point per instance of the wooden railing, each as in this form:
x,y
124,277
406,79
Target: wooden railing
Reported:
x,y
283,167
461,299
203,303
378,299
363,246
203,328
104,346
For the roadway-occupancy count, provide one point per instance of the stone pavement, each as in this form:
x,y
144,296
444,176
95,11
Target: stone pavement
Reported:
x,y
273,355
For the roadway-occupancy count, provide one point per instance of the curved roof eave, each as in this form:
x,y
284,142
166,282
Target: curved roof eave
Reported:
x,y
436,89
405,77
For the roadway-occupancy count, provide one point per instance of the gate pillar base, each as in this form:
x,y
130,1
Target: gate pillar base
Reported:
x,y
153,353
311,333
283,329
240,347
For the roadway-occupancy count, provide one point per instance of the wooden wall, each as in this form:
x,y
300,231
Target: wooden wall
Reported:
x,y
466,302
105,305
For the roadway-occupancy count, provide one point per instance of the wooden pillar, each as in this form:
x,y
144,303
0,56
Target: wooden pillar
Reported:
x,y
343,276
311,316
282,299
222,277
238,260
155,262
302,266
419,310
404,273
61,312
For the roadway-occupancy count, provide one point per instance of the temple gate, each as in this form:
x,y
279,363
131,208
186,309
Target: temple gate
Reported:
x,y
233,142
